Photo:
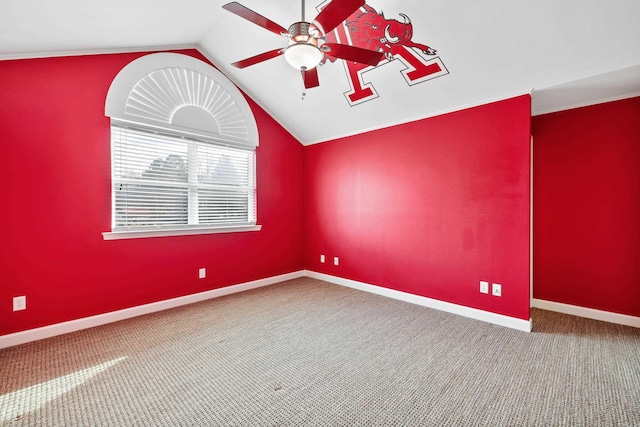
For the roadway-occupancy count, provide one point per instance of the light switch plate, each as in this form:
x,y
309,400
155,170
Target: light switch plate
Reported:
x,y
496,290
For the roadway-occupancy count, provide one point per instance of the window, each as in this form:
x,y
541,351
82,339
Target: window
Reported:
x,y
164,181
183,142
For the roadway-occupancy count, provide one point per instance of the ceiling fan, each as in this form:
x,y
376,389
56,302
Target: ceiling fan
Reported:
x,y
307,47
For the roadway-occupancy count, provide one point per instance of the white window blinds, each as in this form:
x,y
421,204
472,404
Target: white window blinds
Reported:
x,y
166,182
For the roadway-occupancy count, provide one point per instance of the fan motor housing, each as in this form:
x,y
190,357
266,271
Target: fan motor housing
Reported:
x,y
303,32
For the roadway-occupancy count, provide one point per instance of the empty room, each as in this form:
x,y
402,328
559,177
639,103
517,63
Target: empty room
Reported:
x,y
320,213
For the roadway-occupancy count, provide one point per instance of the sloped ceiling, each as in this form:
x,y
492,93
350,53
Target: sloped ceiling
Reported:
x,y
487,50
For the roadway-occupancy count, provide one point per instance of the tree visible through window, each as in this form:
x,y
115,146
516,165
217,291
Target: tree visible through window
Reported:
x,y
166,181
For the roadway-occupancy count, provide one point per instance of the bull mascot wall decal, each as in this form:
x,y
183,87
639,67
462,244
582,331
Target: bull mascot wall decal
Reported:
x,y
369,29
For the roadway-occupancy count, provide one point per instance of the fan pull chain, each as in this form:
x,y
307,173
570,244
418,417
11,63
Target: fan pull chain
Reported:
x,y
303,84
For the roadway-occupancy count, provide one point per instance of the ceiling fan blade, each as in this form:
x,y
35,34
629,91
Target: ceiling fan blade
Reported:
x,y
335,13
256,18
352,53
258,58
310,78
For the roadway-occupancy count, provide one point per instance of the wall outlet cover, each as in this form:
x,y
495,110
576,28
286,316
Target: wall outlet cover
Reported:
x,y
484,287
19,303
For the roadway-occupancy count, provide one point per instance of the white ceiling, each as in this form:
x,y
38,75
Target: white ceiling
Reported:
x,y
569,53
612,86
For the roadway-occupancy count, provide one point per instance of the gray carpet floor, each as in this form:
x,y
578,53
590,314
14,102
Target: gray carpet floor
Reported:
x,y
309,353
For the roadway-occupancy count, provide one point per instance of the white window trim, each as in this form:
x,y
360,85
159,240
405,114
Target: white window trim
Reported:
x,y
143,234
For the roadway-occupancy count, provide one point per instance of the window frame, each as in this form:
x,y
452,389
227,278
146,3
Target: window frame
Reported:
x,y
192,227
161,92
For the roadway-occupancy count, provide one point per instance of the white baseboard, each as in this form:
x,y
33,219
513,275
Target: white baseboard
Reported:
x,y
22,337
589,313
473,313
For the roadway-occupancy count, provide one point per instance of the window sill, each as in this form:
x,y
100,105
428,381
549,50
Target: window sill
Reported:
x,y
143,234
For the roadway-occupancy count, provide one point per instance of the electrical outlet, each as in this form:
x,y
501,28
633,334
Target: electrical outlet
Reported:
x,y
496,290
19,303
202,273
335,260
484,287
321,258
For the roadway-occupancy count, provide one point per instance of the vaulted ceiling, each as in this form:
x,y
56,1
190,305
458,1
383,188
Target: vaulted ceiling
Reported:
x,y
568,53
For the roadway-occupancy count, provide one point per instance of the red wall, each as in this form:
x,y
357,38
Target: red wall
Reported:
x,y
55,201
430,207
587,207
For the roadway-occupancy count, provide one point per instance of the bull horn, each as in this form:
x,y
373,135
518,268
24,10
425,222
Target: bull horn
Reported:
x,y
388,36
406,18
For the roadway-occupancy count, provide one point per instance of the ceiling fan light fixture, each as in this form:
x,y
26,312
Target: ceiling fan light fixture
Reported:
x,y
303,56
307,40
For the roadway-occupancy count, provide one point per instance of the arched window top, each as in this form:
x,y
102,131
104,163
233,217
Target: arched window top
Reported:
x,y
181,94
